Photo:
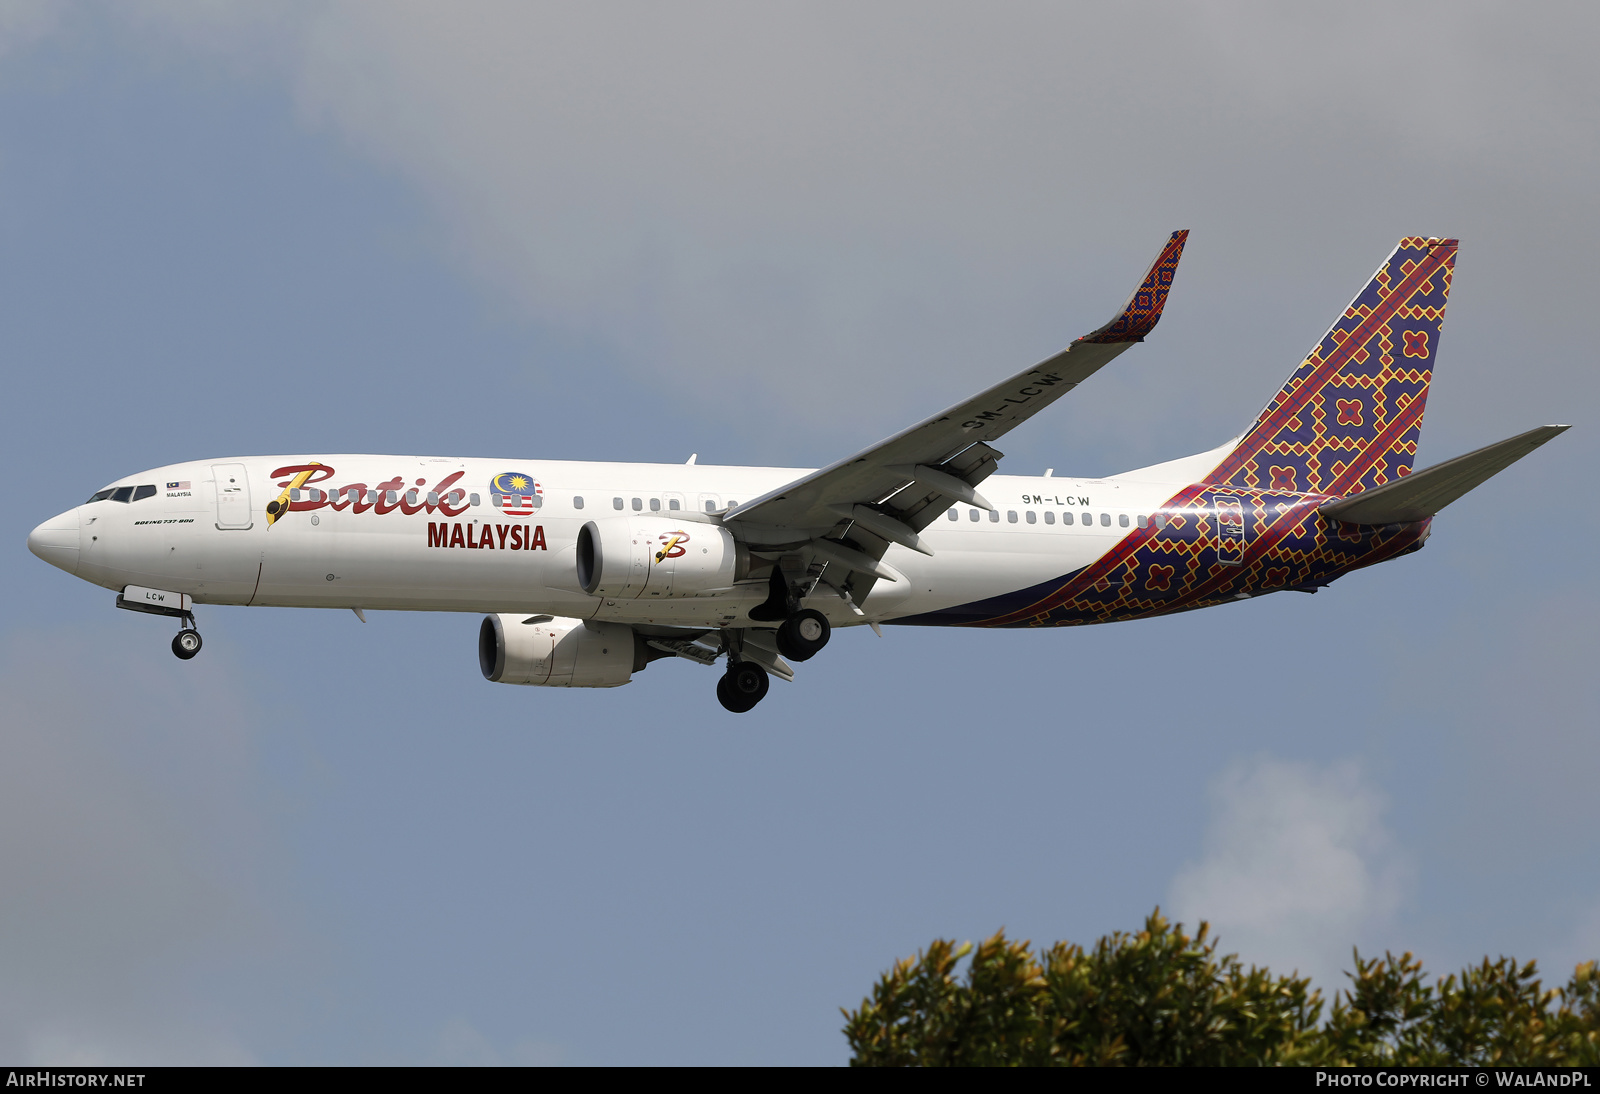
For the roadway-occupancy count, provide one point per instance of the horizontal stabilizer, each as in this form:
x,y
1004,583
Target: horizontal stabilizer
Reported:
x,y
1421,494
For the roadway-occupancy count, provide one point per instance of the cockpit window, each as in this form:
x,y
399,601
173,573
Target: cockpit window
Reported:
x,y
102,495
142,492
122,493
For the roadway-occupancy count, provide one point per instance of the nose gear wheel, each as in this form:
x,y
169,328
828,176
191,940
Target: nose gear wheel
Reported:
x,y
186,643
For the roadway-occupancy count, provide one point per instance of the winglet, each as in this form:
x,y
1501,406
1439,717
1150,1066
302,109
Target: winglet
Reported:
x,y
1423,493
1143,312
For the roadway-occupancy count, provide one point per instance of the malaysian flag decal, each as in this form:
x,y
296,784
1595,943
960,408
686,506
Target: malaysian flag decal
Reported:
x,y
516,493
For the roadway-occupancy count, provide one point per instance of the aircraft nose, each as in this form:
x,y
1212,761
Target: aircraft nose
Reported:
x,y
56,541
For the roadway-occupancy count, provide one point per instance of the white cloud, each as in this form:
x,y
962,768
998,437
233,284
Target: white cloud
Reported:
x,y
801,207
23,22
1297,867
460,1044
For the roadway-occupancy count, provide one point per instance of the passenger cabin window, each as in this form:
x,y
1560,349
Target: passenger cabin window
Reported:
x,y
994,516
1105,520
102,495
616,503
951,513
974,513
711,506
655,505
144,492
1066,518
433,497
577,501
1122,520
672,503
1049,517
637,505
1011,516
1088,519
473,499
1144,521
1033,518
122,493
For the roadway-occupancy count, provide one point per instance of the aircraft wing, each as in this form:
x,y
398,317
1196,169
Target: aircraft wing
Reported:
x,y
845,515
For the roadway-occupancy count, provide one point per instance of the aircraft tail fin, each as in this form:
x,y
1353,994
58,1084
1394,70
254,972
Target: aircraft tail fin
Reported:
x,y
1349,417
1421,495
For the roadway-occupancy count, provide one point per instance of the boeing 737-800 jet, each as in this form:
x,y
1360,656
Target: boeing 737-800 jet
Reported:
x,y
587,572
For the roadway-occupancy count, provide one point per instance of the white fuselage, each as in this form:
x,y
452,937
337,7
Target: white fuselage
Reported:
x,y
357,546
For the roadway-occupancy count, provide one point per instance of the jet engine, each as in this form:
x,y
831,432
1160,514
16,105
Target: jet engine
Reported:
x,y
637,558
553,651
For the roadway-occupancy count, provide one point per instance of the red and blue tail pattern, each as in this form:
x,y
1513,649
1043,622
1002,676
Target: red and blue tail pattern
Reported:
x,y
1347,420
1349,417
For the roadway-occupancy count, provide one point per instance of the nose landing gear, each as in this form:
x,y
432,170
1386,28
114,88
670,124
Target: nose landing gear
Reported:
x,y
186,643
136,598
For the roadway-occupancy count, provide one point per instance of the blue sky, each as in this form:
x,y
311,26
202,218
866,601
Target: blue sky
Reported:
x,y
766,238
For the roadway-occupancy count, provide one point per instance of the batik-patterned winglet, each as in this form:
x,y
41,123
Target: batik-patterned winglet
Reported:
x,y
1143,312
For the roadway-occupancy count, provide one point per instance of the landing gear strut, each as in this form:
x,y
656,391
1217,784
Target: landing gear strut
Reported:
x,y
742,686
136,598
804,631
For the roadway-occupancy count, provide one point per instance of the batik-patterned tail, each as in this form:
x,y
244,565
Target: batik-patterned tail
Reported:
x,y
1349,418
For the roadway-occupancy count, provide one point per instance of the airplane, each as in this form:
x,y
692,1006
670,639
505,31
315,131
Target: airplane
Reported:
x,y
588,572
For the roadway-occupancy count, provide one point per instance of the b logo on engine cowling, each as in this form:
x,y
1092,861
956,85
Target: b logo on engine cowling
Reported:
x,y
674,545
644,557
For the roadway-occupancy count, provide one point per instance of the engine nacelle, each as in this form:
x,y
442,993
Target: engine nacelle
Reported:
x,y
631,558
553,651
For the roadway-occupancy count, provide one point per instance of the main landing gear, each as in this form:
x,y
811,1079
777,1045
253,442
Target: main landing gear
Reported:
x,y
803,631
745,683
802,636
742,686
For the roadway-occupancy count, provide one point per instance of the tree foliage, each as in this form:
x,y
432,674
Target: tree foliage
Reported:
x,y
1163,997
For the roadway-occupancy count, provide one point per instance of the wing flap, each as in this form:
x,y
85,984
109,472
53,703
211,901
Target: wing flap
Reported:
x,y
762,648
1421,494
